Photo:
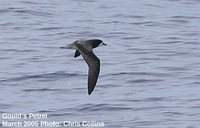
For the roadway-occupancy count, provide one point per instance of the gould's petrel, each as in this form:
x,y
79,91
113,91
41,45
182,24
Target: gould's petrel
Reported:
x,y
84,48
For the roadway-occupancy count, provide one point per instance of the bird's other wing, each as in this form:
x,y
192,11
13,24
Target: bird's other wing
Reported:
x,y
77,53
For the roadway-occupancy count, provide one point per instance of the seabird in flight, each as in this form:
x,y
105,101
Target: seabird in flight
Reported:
x,y
85,48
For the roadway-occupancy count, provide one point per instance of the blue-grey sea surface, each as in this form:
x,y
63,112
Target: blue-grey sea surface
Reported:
x,y
150,68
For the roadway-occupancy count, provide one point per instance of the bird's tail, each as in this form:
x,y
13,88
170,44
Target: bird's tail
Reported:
x,y
70,46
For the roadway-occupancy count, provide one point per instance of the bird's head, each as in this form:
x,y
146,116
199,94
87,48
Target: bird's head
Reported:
x,y
97,42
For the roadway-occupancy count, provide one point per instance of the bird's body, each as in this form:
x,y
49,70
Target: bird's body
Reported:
x,y
85,48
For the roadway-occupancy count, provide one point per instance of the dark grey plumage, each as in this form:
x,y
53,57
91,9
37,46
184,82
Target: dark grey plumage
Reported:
x,y
84,48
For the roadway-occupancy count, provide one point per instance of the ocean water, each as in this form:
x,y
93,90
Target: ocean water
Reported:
x,y
150,68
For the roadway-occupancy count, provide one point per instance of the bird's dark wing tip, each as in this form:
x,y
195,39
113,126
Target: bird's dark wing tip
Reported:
x,y
90,90
89,93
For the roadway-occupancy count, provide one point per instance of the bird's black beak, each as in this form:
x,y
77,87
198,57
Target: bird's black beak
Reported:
x,y
104,44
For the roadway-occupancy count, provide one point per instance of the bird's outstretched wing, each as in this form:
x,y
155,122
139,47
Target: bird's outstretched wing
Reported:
x,y
93,74
93,63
